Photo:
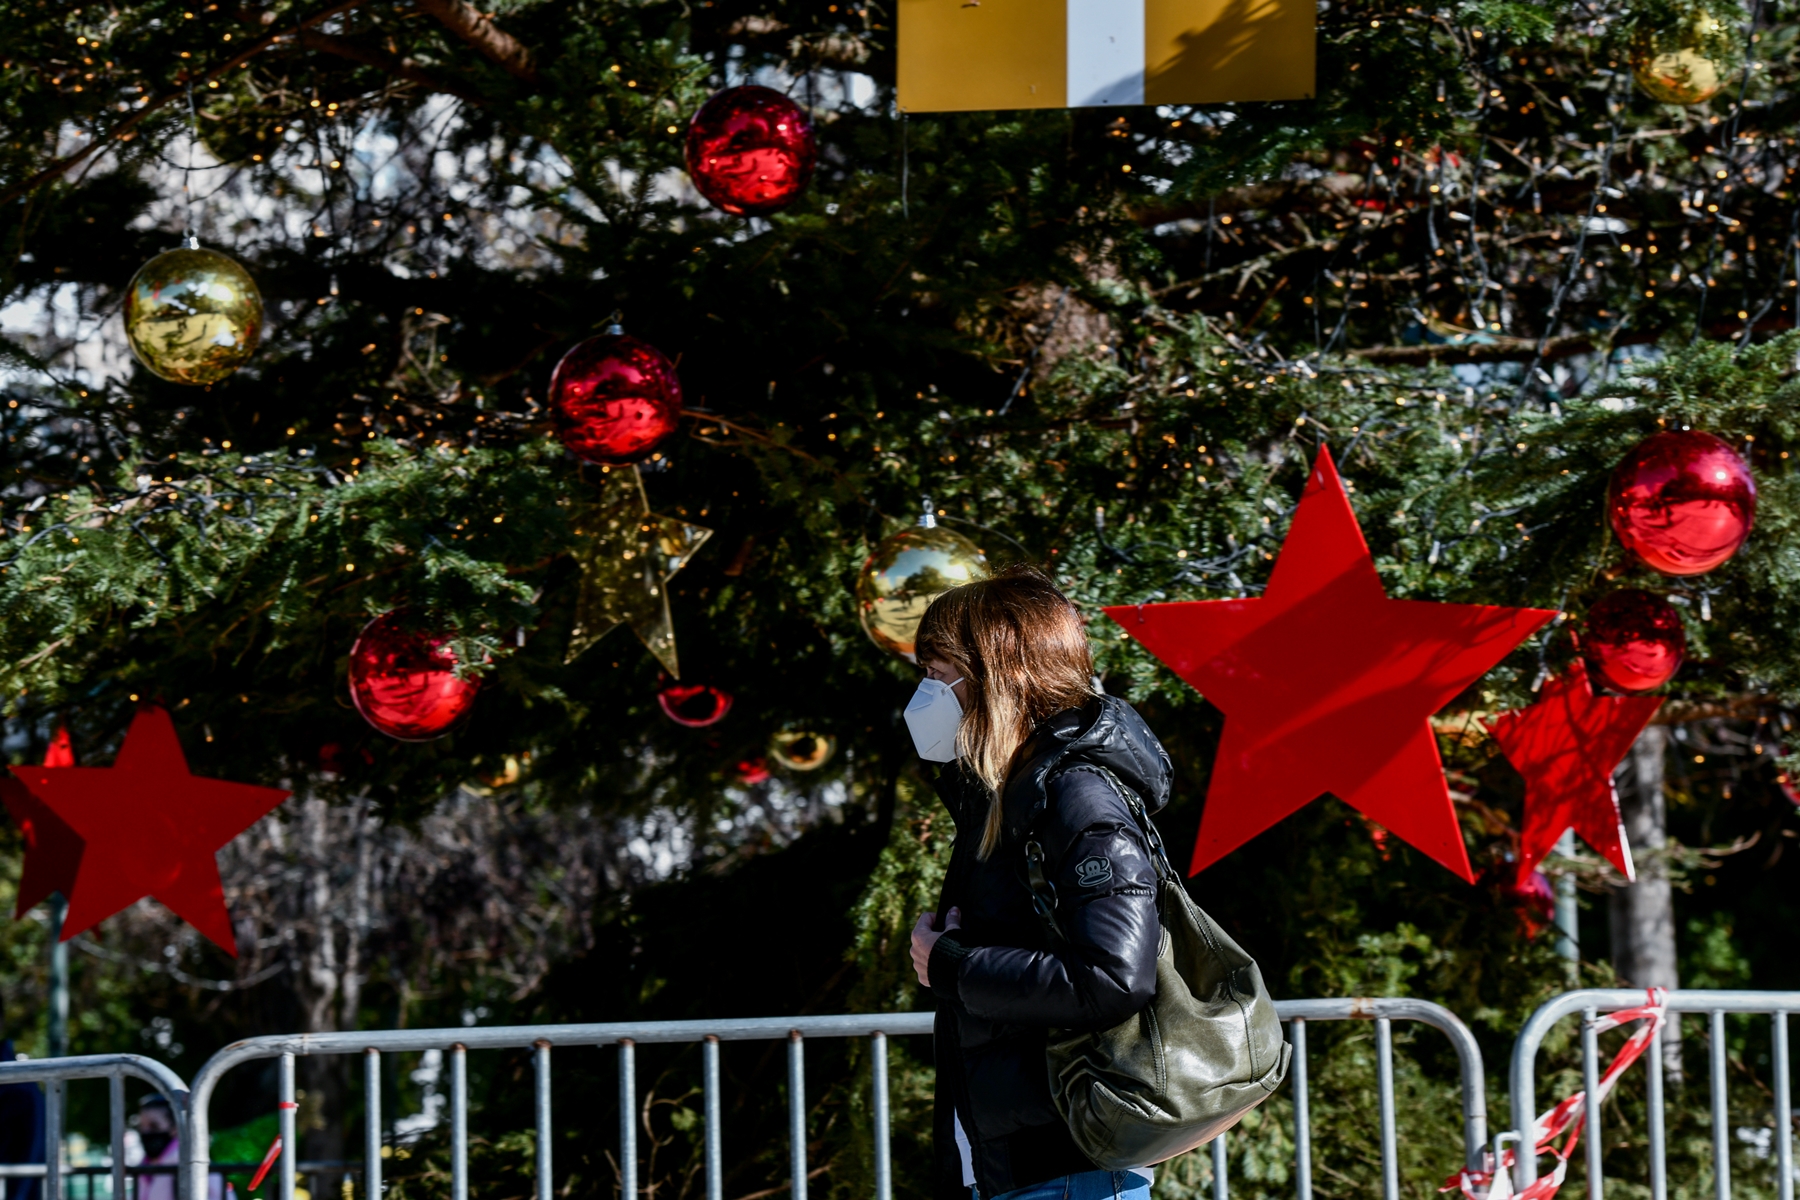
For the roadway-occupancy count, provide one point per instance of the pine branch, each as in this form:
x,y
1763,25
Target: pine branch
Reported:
x,y
125,129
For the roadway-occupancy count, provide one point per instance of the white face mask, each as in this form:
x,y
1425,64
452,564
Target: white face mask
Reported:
x,y
933,716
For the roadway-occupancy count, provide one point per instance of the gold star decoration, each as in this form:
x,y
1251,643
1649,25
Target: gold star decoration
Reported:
x,y
626,562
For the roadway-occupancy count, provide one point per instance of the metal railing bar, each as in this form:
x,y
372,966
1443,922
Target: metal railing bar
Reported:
x,y
115,1104
1590,1083
797,1112
1784,1109
715,1133
1384,1090
1302,1112
1659,1163
303,1167
371,1124
627,1119
540,1080
1221,1172
290,1146
1720,1117
884,1170
459,1122
53,1126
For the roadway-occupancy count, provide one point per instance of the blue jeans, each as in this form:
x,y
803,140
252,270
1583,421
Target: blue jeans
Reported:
x,y
1088,1185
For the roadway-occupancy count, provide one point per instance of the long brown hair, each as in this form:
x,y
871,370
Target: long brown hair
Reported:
x,y
1020,645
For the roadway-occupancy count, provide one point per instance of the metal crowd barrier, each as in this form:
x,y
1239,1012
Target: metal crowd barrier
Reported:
x,y
1594,1001
54,1073
193,1116
540,1039
1384,1012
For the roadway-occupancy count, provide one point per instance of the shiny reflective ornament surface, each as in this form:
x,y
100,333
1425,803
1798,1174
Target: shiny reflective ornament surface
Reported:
x,y
192,315
695,706
614,398
1687,64
802,750
1682,502
1634,641
403,679
906,573
750,150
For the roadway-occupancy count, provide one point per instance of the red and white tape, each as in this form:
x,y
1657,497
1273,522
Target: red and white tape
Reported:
x,y
1569,1117
269,1158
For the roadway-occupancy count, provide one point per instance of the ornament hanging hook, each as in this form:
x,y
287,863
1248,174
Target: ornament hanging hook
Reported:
x,y
928,513
190,235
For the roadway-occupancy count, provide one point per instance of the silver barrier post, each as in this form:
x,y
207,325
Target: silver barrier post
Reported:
x,y
371,1124
797,1111
459,1122
53,1135
1302,1113
1784,1110
627,1119
1720,1116
1384,1083
1590,1101
540,1062
115,1099
878,1064
715,1132
290,1147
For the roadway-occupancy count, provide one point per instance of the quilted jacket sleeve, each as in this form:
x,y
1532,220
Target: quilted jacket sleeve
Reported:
x,y
1105,881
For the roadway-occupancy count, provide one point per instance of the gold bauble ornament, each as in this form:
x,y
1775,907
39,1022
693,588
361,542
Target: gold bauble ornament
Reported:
x,y
192,315
906,573
802,749
1676,67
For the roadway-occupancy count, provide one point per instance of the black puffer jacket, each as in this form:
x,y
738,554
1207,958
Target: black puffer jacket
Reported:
x,y
999,982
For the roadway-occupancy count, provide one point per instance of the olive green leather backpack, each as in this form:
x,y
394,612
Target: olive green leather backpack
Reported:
x,y
1205,1051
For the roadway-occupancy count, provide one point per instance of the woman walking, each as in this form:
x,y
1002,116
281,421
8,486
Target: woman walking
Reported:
x,y
1009,706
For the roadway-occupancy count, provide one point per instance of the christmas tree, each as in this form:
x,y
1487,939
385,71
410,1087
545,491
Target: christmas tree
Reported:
x,y
1499,247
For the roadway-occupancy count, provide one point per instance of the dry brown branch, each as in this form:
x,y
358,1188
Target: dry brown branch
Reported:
x,y
381,60
493,43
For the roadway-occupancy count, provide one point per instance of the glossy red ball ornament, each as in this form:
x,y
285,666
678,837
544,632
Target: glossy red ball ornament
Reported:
x,y
614,398
403,679
750,150
1634,641
695,707
1682,502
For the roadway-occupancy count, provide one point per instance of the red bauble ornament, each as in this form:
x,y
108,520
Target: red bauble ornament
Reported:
x,y
1682,502
403,680
696,707
1634,641
750,150
614,398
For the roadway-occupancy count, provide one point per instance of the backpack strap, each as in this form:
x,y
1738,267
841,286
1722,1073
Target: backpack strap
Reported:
x,y
1043,892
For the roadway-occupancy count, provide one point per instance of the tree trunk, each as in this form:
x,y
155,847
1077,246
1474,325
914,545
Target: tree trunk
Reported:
x,y
1643,913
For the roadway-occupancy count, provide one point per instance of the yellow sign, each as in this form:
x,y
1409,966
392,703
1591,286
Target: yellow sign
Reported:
x,y
978,54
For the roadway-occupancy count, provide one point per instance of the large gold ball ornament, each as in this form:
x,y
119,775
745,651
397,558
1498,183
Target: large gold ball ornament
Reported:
x,y
1688,64
193,316
802,749
906,573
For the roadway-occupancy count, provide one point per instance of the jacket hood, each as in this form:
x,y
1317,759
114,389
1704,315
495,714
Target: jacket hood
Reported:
x,y
1106,732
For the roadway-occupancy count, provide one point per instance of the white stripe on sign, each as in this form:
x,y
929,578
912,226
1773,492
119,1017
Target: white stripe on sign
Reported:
x,y
1106,52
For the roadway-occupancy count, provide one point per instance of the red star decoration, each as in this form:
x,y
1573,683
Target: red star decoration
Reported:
x,y
1327,685
144,827
52,849
1566,746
